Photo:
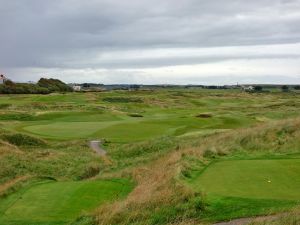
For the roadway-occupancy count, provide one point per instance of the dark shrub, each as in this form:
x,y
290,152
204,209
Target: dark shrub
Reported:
x,y
135,115
258,88
90,171
44,86
285,88
22,139
209,153
204,115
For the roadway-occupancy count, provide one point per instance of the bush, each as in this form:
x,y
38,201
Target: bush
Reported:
x,y
258,88
90,171
44,86
22,140
54,85
285,88
210,153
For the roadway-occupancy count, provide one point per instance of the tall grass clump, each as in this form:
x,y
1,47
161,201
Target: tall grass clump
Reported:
x,y
91,170
158,198
276,137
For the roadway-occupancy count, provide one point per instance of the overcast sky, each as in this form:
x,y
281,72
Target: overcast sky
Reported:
x,y
151,42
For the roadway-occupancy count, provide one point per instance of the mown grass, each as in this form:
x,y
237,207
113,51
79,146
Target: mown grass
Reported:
x,y
229,208
260,179
59,202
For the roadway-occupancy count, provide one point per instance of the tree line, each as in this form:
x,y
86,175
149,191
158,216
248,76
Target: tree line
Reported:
x,y
43,86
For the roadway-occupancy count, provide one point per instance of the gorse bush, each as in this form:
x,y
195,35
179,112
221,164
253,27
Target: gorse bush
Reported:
x,y
44,86
54,85
22,140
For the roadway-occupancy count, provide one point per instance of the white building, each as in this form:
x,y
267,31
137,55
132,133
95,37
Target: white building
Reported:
x,y
2,79
76,88
247,88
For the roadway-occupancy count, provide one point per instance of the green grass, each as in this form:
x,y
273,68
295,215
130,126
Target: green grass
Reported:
x,y
68,130
165,112
226,208
59,202
140,127
257,179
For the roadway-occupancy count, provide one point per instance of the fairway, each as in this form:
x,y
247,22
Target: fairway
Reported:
x,y
260,179
66,130
59,202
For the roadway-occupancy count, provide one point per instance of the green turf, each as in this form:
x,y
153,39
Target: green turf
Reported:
x,y
228,208
169,119
165,112
258,179
68,130
59,202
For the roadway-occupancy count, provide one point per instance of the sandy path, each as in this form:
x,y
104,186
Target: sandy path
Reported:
x,y
246,221
95,145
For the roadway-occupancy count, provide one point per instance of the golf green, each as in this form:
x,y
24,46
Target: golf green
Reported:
x,y
59,202
260,179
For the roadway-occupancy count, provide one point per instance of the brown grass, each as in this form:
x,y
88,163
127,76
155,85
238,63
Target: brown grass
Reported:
x,y
156,187
157,183
6,148
11,183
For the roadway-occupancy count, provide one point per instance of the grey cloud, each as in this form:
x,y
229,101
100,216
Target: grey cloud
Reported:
x,y
64,33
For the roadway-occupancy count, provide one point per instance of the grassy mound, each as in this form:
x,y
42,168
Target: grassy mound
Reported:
x,y
59,202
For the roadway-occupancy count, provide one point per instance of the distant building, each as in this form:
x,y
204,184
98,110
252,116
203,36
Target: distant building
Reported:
x,y
247,88
2,79
76,87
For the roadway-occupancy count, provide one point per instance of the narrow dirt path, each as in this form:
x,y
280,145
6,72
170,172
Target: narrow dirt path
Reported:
x,y
95,145
248,220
